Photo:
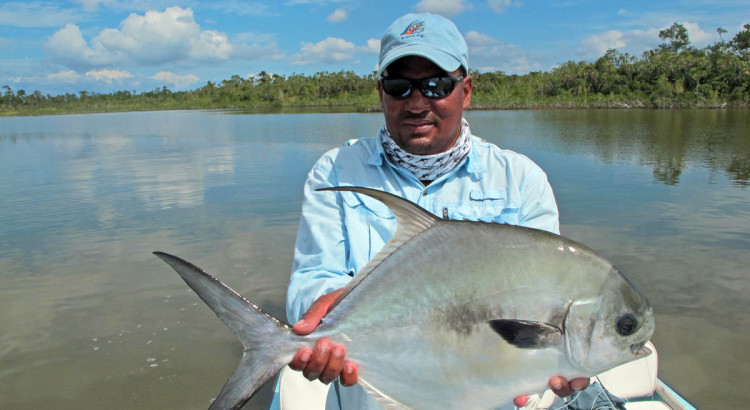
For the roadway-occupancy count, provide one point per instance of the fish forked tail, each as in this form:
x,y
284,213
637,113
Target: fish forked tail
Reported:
x,y
267,341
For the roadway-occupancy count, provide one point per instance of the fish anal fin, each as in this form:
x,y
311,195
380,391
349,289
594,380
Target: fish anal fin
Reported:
x,y
526,334
381,398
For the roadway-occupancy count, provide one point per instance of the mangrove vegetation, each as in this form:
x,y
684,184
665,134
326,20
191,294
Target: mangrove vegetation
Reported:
x,y
673,75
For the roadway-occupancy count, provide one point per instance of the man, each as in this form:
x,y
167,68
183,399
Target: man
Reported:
x,y
424,153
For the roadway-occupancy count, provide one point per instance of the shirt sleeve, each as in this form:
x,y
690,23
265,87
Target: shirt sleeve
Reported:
x,y
539,208
321,249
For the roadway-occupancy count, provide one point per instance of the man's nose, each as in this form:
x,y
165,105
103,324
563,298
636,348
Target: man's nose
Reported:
x,y
417,102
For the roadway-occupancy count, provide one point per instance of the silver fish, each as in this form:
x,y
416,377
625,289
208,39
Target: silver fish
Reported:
x,y
451,314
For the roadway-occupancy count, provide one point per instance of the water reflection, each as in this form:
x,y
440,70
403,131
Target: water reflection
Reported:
x,y
85,199
665,140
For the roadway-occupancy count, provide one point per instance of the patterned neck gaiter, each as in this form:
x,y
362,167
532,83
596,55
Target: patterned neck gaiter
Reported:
x,y
428,167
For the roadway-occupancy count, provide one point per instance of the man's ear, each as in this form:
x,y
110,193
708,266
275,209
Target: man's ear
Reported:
x,y
468,85
380,94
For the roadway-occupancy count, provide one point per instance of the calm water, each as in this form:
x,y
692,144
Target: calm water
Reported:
x,y
90,319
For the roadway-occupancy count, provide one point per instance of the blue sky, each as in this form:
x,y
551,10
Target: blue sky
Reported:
x,y
107,45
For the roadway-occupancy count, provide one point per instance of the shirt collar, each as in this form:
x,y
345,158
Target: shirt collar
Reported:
x,y
473,164
377,157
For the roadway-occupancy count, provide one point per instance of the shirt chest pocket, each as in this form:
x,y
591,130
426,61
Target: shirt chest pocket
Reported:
x,y
486,205
369,223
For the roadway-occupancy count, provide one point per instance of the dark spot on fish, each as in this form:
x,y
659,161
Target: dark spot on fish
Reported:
x,y
462,318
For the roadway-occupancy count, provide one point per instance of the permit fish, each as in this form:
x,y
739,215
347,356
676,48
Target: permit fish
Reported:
x,y
451,314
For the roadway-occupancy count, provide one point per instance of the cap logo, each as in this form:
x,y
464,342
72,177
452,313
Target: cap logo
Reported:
x,y
414,28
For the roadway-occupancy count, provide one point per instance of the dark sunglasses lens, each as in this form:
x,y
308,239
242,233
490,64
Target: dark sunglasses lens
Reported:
x,y
437,87
432,87
397,87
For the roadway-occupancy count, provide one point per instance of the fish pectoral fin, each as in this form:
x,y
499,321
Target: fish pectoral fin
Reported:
x,y
526,334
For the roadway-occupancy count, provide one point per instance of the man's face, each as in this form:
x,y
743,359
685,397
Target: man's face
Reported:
x,y
418,124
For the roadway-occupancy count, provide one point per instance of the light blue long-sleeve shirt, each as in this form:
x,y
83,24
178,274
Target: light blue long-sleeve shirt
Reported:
x,y
340,231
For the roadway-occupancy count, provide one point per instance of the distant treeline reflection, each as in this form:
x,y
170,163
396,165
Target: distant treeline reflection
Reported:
x,y
675,74
666,141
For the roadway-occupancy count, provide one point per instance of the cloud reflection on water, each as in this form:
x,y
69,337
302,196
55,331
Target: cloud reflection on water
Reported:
x,y
85,199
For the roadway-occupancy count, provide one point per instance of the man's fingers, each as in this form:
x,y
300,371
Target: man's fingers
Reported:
x,y
301,358
314,315
564,388
335,364
580,383
521,401
318,360
349,376
325,361
560,386
310,319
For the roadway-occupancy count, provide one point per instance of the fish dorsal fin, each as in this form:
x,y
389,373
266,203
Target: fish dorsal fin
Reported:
x,y
411,218
527,334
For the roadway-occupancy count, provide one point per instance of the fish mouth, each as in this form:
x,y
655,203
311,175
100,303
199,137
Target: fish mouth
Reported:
x,y
640,349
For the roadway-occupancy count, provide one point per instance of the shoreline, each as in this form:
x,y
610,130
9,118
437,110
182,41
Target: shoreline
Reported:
x,y
355,108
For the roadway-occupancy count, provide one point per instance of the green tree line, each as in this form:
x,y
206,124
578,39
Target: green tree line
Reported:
x,y
675,74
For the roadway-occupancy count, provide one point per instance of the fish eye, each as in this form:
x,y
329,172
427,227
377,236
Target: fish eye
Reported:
x,y
626,324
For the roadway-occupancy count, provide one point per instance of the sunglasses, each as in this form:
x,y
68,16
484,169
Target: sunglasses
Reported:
x,y
430,87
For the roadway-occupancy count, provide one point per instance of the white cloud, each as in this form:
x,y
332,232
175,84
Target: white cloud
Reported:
x,y
595,46
633,42
444,7
499,6
35,14
210,44
698,37
636,42
108,76
519,65
153,38
253,37
338,15
639,41
93,5
69,77
625,13
257,52
179,81
373,47
240,7
476,39
68,45
256,46
330,49
487,53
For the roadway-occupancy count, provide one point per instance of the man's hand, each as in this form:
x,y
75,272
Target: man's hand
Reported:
x,y
560,386
326,361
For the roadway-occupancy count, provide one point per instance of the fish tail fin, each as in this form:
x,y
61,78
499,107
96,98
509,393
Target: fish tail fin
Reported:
x,y
267,341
